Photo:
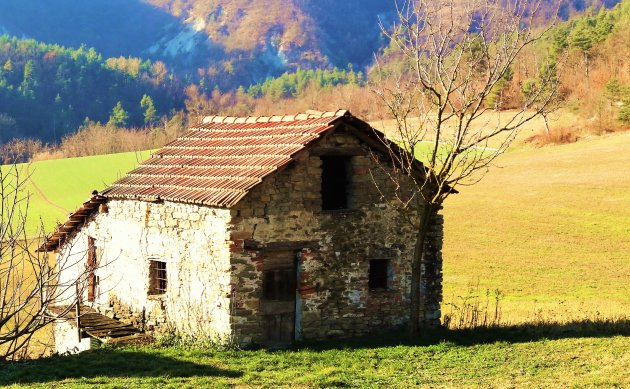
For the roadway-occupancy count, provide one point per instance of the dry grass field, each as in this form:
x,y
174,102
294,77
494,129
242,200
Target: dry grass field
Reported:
x,y
549,228
558,121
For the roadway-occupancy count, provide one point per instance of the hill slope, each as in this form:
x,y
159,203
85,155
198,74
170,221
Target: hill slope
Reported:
x,y
47,91
243,40
550,229
57,187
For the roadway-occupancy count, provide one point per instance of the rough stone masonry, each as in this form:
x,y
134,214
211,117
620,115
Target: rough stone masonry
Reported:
x,y
227,270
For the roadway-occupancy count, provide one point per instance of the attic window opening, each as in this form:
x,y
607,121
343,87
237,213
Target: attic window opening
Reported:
x,y
157,277
379,274
335,182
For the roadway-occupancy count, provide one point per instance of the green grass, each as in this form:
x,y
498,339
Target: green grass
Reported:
x,y
66,183
508,357
548,227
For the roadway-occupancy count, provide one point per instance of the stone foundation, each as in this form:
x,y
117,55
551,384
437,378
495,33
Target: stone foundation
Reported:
x,y
152,322
67,339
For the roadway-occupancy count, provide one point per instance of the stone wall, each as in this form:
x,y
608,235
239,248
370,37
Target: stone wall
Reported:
x,y
432,272
67,339
334,248
192,240
216,257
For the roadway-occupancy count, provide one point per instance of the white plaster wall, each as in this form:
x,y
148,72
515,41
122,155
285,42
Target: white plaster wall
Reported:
x,y
67,339
192,240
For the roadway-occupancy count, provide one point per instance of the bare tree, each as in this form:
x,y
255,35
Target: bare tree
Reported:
x,y
454,56
29,279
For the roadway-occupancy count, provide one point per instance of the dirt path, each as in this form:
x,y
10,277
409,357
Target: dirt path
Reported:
x,y
41,193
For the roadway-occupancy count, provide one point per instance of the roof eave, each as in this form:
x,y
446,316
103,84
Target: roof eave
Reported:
x,y
72,224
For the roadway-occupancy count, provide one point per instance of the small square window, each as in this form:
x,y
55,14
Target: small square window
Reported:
x,y
157,277
379,274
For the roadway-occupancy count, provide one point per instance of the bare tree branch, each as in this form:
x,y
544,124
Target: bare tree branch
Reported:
x,y
29,279
455,55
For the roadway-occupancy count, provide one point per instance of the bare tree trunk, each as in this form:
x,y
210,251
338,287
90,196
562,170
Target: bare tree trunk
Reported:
x,y
547,131
417,280
447,60
586,65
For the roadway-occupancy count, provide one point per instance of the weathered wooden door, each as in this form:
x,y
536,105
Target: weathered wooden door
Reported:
x,y
278,300
92,280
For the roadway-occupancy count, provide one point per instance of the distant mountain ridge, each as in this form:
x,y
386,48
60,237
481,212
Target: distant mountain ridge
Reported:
x,y
243,41
225,42
113,27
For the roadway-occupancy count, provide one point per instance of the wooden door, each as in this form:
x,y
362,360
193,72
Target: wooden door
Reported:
x,y
278,299
92,280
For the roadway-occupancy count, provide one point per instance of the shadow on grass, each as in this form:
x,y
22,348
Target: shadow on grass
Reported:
x,y
108,363
487,335
145,363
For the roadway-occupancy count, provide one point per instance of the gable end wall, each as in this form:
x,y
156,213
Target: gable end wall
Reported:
x,y
333,295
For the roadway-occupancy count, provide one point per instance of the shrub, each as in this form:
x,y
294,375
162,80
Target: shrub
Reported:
x,y
555,136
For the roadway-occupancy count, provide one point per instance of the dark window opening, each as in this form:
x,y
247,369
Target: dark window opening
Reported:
x,y
335,182
379,274
279,285
157,277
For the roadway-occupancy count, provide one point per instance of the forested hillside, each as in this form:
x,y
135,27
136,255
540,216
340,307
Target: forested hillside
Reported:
x,y
596,83
227,43
47,91
113,27
247,57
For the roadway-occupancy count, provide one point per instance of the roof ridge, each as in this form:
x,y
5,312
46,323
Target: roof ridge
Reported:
x,y
308,114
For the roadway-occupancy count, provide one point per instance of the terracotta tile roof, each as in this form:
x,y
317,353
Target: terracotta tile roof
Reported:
x,y
218,161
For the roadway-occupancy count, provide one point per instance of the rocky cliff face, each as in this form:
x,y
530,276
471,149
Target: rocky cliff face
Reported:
x,y
303,34
271,36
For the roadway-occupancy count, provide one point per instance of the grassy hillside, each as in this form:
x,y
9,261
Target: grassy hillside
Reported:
x,y
549,228
502,359
57,187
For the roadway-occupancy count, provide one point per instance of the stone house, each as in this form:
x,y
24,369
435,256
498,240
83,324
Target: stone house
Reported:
x,y
260,230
